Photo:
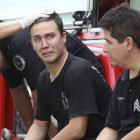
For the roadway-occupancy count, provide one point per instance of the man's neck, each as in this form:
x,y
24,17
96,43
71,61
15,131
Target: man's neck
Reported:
x,y
134,68
133,74
134,64
55,68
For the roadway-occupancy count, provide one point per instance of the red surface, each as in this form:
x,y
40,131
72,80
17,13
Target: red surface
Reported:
x,y
111,73
2,102
6,106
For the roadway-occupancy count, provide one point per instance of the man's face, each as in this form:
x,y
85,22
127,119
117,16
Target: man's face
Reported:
x,y
47,41
115,50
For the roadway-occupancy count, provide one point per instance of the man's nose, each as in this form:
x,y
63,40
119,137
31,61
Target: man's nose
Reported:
x,y
45,43
105,48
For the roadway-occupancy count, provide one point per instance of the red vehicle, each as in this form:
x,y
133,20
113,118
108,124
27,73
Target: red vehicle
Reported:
x,y
92,36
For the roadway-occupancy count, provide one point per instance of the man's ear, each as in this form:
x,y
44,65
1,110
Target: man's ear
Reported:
x,y
129,42
64,36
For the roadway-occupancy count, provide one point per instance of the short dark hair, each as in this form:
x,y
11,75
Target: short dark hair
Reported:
x,y
122,21
57,19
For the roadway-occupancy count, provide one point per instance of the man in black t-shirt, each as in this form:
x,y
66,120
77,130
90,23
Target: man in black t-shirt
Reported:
x,y
24,63
122,35
70,88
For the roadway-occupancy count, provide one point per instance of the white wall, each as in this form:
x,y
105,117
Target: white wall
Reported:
x,y
11,9
135,4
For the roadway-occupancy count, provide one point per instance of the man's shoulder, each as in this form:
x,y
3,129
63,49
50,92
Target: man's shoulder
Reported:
x,y
123,77
21,37
22,33
79,62
75,46
122,81
43,74
78,65
43,79
21,46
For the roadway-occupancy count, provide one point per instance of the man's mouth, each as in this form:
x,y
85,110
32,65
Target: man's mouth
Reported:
x,y
47,53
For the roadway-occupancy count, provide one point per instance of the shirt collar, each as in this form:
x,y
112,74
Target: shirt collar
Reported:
x,y
125,75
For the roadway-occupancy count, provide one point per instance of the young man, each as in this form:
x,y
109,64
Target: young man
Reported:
x,y
19,61
122,33
8,28
69,88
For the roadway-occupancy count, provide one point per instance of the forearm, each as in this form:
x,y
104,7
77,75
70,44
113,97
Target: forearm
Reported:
x,y
133,135
8,28
52,130
23,104
38,131
107,134
75,130
65,134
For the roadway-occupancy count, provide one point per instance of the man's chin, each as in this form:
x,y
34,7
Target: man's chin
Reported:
x,y
114,64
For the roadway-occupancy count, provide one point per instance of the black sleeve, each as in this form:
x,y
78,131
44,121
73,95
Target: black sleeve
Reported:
x,y
82,95
42,111
23,59
113,118
83,102
13,79
75,46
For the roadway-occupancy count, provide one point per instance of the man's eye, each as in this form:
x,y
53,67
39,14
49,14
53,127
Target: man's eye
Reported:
x,y
50,36
37,39
109,42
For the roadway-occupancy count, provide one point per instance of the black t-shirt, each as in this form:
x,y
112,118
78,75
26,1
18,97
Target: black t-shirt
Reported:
x,y
78,90
24,63
124,113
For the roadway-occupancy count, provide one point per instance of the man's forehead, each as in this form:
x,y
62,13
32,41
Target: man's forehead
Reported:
x,y
44,29
107,34
45,23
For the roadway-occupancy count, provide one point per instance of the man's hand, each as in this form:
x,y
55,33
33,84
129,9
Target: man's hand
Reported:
x,y
28,20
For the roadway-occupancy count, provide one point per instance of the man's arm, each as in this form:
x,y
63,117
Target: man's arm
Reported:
x,y
75,130
23,104
52,128
9,28
133,135
38,130
107,134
